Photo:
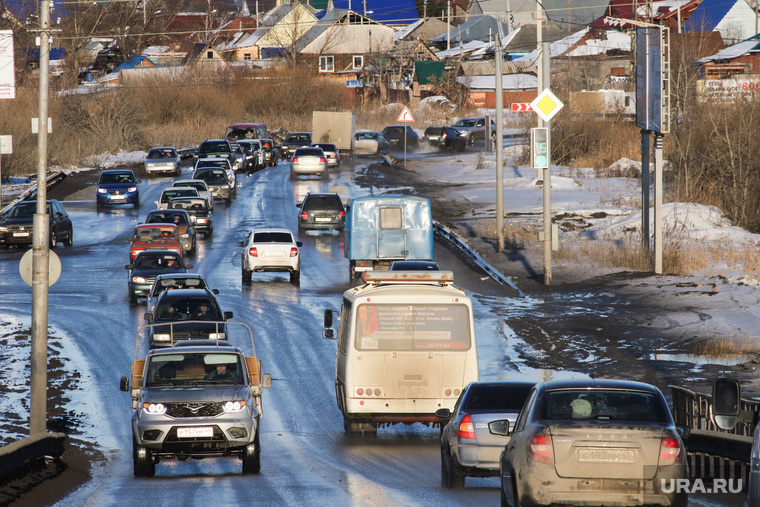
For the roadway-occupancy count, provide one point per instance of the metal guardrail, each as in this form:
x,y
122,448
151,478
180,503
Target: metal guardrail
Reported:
x,y
466,249
53,179
23,453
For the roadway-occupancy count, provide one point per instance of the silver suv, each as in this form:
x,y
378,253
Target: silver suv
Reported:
x,y
474,129
199,399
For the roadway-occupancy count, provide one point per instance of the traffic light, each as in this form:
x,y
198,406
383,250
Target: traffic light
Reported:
x,y
539,153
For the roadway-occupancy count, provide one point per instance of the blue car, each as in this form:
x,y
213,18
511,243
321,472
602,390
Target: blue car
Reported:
x,y
118,186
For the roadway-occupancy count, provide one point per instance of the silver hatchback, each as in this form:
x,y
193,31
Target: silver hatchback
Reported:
x,y
309,160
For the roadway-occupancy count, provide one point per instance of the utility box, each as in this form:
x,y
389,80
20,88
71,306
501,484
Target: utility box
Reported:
x,y
382,229
336,127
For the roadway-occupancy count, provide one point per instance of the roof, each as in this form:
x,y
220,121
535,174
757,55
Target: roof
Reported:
x,y
523,11
508,82
480,28
751,45
390,12
597,383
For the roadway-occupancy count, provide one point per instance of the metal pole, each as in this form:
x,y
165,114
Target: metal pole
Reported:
x,y
548,232
499,147
539,62
658,192
448,24
40,235
645,151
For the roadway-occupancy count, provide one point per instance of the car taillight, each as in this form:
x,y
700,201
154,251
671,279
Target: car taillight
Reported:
x,y
322,160
342,215
670,451
443,137
540,448
294,252
253,252
376,143
304,215
466,428
295,159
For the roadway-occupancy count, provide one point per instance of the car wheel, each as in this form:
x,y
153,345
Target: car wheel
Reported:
x,y
69,238
132,300
137,204
53,239
252,458
295,277
246,276
449,477
143,461
347,426
471,140
208,233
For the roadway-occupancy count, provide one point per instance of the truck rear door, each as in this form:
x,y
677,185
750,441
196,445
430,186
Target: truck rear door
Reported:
x,y
391,232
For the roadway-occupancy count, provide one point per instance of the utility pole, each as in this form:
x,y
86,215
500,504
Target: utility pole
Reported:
x,y
40,235
499,146
448,25
544,71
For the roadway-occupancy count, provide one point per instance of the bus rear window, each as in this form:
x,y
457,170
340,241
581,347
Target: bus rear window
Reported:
x,y
418,327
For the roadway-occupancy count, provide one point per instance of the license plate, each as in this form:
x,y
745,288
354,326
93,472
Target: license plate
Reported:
x,y
323,219
203,431
118,199
273,254
20,234
606,456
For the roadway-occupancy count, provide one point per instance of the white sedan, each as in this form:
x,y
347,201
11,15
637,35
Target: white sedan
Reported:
x,y
271,250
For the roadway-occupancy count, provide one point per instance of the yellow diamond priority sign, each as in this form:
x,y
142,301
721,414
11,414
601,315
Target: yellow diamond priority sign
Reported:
x,y
546,105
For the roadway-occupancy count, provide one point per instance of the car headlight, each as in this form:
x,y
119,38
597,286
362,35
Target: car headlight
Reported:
x,y
4,229
234,406
162,337
185,236
201,220
154,408
216,336
139,279
132,189
102,191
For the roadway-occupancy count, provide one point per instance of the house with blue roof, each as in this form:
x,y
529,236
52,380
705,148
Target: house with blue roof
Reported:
x,y
133,62
734,19
387,12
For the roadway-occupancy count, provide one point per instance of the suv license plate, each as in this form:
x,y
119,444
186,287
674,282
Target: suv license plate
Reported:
x,y
203,431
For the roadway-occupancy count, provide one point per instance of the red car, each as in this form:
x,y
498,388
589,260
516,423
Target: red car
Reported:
x,y
155,237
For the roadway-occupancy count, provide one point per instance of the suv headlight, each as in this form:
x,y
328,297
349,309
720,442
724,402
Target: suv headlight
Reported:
x,y
162,337
234,406
216,336
154,408
102,191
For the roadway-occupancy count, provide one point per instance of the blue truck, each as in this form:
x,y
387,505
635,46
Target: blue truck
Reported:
x,y
385,228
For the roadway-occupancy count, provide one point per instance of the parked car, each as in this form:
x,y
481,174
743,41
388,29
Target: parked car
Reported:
x,y
254,154
321,211
198,185
17,225
468,446
474,129
117,186
181,219
217,181
308,161
164,236
293,141
593,442
170,193
271,153
163,160
239,154
212,146
395,135
173,281
444,138
200,214
370,143
414,266
187,314
218,161
271,250
146,266
332,154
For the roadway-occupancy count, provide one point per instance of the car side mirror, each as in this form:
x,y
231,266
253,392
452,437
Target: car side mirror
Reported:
x,y
328,334
189,266
124,384
241,243
266,380
128,266
726,396
138,181
227,315
215,291
443,413
299,244
328,320
500,427
683,431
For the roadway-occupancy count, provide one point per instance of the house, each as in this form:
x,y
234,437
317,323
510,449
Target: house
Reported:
x,y
56,60
734,19
134,62
478,28
170,55
342,40
480,80
388,12
204,55
659,12
423,29
731,73
564,14
603,104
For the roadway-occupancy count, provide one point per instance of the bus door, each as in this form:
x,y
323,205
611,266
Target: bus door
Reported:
x,y
391,232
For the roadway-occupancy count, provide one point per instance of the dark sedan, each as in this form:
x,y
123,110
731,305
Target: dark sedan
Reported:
x,y
17,225
594,442
118,186
321,211
444,138
146,266
395,135
293,141
468,446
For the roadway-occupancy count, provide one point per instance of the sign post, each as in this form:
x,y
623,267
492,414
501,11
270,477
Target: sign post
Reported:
x,y
405,117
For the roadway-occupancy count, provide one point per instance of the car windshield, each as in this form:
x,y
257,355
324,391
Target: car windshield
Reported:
x,y
191,205
174,309
298,138
25,210
154,233
117,178
326,147
394,131
170,194
309,152
211,368
214,146
272,237
214,162
212,176
199,186
179,218
323,202
497,398
434,131
465,123
161,261
158,153
603,404
190,282
237,149
367,135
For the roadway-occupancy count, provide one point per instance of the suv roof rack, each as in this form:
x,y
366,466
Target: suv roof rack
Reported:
x,y
400,277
